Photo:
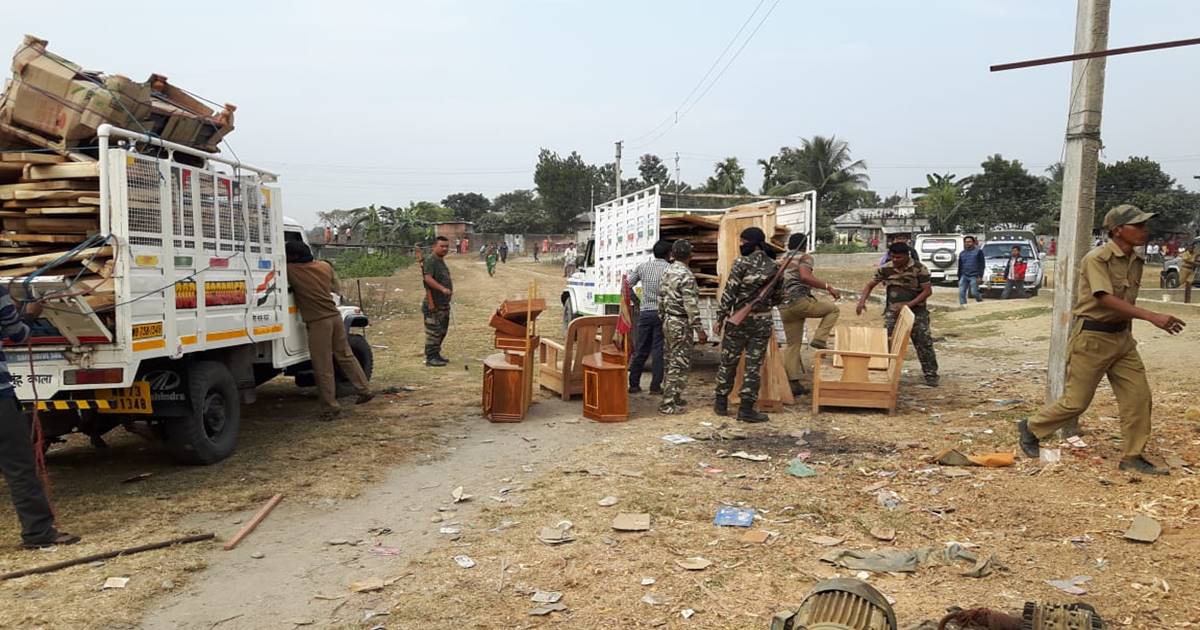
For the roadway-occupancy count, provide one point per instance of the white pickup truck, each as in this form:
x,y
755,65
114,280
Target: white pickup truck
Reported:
x,y
201,312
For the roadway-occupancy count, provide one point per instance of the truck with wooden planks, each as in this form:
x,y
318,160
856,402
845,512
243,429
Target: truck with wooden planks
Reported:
x,y
162,275
626,228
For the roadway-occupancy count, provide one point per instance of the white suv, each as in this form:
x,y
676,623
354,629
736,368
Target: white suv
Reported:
x,y
939,254
996,251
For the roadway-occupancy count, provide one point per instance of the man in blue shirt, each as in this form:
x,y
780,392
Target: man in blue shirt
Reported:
x,y
971,264
16,450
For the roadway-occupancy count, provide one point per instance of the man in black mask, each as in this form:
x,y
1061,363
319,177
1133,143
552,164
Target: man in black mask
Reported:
x,y
750,272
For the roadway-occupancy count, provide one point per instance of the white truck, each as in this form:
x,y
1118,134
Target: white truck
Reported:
x,y
201,313
623,237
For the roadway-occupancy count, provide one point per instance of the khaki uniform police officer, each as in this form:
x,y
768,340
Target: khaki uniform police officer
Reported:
x,y
1102,343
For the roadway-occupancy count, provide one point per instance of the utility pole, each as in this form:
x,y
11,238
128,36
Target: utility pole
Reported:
x,y
1079,184
677,179
619,143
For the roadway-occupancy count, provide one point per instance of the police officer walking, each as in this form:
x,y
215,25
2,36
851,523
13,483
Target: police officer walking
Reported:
x,y
679,309
1102,343
908,284
749,274
800,304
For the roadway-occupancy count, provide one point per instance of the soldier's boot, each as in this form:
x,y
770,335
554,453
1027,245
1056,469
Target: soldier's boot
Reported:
x,y
932,380
721,405
1139,464
747,413
1030,444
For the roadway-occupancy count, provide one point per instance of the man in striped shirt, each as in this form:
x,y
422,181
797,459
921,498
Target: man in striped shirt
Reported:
x,y
16,451
649,327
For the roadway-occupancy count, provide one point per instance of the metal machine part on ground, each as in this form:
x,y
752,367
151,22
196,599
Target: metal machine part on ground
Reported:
x,y
839,604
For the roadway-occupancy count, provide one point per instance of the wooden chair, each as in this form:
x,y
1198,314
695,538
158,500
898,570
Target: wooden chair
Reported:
x,y
861,339
856,388
561,365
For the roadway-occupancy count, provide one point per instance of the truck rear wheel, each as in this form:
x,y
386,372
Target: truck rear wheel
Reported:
x,y
209,433
366,360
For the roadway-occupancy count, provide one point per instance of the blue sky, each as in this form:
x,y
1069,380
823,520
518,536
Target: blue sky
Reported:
x,y
361,102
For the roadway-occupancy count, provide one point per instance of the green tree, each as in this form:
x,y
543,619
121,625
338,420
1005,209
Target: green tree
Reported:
x,y
1004,195
468,206
564,185
941,201
519,211
1142,182
768,166
823,164
653,172
728,178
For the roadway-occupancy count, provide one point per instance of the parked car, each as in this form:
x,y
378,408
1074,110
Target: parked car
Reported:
x,y
939,253
1172,270
996,251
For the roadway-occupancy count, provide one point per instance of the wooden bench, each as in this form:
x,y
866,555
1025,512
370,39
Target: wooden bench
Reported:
x,y
561,364
856,387
861,339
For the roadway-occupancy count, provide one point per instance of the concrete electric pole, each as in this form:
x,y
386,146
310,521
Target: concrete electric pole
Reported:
x,y
1079,182
619,143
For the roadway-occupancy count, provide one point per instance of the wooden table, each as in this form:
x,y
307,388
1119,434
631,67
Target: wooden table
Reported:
x,y
605,393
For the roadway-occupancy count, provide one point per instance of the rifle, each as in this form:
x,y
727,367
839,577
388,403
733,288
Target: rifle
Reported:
x,y
419,256
742,313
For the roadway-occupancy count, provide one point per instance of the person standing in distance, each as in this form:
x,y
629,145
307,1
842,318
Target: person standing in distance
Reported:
x,y
1014,274
908,284
17,460
753,270
1102,343
971,265
649,326
313,284
679,308
439,287
800,304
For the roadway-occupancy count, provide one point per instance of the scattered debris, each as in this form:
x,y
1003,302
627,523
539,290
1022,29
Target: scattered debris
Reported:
x,y
954,457
380,550
955,473
1076,442
901,561
1050,455
756,457
755,537
335,542
647,581
695,563
608,501
453,531
258,518
797,468
114,582
546,597
676,438
631,522
885,534
556,535
542,611
258,555
1071,586
650,599
826,541
888,499
50,568
138,477
464,561
728,516
1004,402
1143,529
951,457
459,496
687,613
367,585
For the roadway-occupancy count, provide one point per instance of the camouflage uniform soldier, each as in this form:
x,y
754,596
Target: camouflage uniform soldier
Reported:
x,y
679,308
436,306
750,272
908,284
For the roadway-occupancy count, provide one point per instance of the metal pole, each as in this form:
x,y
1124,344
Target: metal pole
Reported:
x,y
1079,184
676,179
618,175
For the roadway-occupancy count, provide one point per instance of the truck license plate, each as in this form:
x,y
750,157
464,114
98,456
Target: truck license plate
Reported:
x,y
133,399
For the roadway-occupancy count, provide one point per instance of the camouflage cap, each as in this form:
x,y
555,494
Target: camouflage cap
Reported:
x,y
1125,214
681,248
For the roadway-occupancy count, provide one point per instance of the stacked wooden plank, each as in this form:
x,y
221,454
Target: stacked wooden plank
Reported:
x,y
48,207
704,232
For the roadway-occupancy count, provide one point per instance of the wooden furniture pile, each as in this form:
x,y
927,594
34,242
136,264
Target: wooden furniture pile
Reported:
x,y
508,375
704,232
560,365
48,208
858,385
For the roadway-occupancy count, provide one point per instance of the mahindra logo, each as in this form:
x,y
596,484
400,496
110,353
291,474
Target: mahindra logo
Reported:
x,y
163,380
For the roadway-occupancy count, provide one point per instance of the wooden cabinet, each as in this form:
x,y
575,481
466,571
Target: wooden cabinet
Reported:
x,y
605,397
502,388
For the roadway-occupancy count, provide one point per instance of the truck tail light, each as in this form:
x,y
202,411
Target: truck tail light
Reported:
x,y
106,376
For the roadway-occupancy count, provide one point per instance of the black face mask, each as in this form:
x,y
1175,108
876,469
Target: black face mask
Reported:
x,y
748,248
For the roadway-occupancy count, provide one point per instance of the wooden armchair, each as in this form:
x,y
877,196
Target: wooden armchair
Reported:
x,y
856,388
560,366
861,339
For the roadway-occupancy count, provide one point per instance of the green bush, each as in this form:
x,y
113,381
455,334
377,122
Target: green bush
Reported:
x,y
360,264
842,248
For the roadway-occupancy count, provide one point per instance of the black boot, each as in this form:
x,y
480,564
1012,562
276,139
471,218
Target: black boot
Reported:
x,y
1030,444
721,405
746,413
798,388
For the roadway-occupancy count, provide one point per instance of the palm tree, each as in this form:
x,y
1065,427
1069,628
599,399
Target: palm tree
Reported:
x,y
769,166
821,164
728,178
942,199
